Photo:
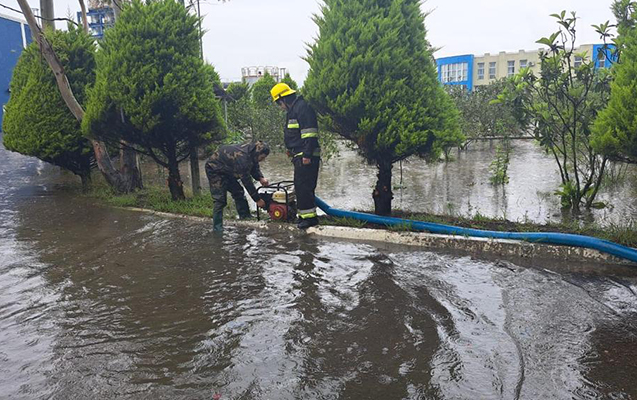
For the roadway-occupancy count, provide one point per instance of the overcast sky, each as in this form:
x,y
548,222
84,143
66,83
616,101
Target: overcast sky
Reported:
x,y
275,32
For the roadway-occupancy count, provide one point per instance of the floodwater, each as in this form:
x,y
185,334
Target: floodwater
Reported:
x,y
102,303
462,187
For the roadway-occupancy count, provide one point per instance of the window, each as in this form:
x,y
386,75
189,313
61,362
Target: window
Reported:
x,y
523,64
510,68
578,61
480,71
492,66
602,62
458,72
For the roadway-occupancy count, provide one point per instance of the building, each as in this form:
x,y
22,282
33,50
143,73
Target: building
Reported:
x,y
15,36
99,19
471,71
250,75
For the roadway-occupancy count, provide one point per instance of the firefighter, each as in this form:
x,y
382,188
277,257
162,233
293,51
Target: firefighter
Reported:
x,y
225,168
301,141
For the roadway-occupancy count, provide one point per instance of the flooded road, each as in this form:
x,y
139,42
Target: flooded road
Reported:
x,y
102,303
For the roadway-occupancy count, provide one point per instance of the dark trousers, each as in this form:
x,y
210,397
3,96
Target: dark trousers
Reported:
x,y
305,180
220,185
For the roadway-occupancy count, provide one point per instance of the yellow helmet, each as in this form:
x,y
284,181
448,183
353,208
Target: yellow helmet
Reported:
x,y
281,90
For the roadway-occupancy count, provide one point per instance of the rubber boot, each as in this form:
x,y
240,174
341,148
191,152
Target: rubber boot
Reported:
x,y
217,221
306,223
243,209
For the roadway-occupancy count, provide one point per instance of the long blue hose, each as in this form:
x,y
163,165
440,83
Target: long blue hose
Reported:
x,y
565,239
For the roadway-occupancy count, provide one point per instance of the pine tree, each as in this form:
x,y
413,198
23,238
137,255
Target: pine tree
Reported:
x,y
37,122
261,91
287,79
152,88
372,74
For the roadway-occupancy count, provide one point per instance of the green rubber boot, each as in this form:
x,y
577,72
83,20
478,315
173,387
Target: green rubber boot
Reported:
x,y
217,221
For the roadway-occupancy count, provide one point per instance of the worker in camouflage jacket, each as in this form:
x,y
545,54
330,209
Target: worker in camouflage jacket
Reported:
x,y
225,168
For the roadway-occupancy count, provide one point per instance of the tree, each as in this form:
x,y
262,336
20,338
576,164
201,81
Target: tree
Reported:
x,y
287,79
373,76
238,91
615,129
480,116
561,104
117,179
261,91
152,89
37,122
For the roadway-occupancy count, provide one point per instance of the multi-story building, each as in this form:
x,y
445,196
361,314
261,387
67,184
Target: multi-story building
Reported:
x,y
250,75
99,19
471,71
15,36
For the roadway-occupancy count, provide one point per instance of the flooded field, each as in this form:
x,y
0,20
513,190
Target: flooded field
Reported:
x,y
103,303
462,187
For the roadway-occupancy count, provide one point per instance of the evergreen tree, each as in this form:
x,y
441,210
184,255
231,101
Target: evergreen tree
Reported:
x,y
152,88
287,79
615,129
238,91
37,122
261,91
372,74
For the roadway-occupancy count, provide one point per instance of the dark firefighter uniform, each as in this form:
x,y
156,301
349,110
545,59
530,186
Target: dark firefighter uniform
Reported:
x,y
301,141
225,168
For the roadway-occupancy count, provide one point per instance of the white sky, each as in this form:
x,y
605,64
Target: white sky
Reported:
x,y
275,32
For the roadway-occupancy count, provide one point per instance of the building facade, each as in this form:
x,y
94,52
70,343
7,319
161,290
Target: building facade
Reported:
x,y
15,36
250,75
99,19
471,71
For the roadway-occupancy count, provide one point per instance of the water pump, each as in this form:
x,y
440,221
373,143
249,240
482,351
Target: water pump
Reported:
x,y
280,201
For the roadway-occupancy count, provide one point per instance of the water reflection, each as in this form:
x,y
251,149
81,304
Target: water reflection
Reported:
x,y
462,187
104,303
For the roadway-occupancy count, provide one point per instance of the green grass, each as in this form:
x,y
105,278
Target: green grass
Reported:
x,y
158,199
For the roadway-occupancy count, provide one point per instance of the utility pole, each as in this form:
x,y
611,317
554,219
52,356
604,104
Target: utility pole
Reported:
x,y
47,14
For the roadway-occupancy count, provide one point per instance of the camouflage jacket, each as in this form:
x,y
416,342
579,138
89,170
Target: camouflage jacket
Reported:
x,y
238,162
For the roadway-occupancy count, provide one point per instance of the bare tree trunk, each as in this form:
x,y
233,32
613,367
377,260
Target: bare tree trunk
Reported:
x,y
101,154
194,172
382,192
131,175
175,184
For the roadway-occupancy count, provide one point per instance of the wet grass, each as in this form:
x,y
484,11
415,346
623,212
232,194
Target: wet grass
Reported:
x,y
158,199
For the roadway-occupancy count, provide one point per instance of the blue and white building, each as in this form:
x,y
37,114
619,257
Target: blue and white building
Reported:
x,y
99,19
15,36
471,71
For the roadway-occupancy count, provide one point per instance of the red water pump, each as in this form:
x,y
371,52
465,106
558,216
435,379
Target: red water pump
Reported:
x,y
280,201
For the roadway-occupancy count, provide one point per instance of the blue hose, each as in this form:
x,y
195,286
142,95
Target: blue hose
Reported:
x,y
564,239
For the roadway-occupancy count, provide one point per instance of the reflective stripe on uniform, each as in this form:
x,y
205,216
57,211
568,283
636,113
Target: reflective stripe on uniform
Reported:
x,y
309,213
293,124
309,133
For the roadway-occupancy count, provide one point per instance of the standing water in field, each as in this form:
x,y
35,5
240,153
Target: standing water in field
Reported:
x,y
104,303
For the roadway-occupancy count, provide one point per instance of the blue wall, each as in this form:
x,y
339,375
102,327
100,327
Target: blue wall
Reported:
x,y
608,52
11,47
467,58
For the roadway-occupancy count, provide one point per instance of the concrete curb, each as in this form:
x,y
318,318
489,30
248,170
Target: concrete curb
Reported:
x,y
473,245
470,245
